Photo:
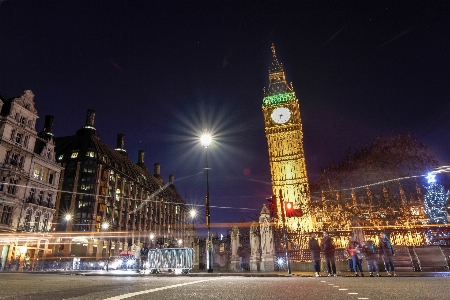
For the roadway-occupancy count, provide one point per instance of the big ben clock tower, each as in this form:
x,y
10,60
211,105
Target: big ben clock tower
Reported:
x,y
284,134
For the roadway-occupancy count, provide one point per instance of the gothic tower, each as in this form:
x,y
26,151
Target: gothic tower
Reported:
x,y
284,134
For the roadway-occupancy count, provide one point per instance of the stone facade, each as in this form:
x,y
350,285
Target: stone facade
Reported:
x,y
29,177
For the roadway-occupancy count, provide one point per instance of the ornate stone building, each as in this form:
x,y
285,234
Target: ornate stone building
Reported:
x,y
29,177
101,185
284,134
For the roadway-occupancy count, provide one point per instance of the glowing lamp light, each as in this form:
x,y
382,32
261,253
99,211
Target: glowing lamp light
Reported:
x,y
431,178
68,217
23,249
205,139
105,225
192,213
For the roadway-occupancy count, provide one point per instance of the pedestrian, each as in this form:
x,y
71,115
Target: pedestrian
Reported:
x,y
387,253
371,253
354,248
328,250
315,253
349,260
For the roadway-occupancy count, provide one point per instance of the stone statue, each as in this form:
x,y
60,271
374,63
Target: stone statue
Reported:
x,y
267,241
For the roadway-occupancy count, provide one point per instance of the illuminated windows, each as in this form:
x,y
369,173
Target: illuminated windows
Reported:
x,y
74,154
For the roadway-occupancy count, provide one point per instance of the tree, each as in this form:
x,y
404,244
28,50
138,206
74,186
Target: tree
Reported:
x,y
435,201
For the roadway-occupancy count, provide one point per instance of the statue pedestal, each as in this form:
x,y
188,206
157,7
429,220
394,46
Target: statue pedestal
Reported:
x,y
254,264
267,263
235,264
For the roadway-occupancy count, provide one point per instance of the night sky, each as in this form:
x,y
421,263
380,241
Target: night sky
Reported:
x,y
162,71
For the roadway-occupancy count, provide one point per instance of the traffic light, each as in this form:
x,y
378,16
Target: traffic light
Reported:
x,y
273,206
289,209
292,212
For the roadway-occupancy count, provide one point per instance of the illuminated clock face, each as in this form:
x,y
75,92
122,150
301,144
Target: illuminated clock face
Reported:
x,y
281,115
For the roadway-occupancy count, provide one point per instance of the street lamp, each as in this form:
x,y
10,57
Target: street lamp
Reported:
x,y
206,141
193,214
152,236
105,227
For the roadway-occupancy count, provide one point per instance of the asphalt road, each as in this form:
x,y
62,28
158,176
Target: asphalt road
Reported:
x,y
56,286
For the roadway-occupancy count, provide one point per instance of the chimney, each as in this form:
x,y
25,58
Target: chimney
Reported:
x,y
90,117
171,179
121,141
157,169
141,157
48,125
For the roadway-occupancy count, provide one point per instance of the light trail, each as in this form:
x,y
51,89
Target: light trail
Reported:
x,y
437,170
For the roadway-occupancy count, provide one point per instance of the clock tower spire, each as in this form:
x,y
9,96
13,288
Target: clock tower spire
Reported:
x,y
283,127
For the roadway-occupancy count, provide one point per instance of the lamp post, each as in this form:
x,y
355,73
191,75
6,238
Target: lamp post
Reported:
x,y
206,141
105,226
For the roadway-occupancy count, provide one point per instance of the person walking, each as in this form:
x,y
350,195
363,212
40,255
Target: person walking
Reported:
x,y
371,253
387,253
328,250
315,253
349,260
354,248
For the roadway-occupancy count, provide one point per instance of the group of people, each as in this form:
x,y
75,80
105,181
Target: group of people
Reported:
x,y
355,252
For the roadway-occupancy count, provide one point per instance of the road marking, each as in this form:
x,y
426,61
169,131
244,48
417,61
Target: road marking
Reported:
x,y
363,298
129,295
331,284
353,293
342,289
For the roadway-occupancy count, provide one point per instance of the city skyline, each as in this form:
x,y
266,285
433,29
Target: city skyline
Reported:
x,y
162,73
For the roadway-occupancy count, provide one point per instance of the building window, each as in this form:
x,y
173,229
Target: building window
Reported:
x,y
21,161
49,153
12,187
37,219
51,176
32,193
19,137
61,157
74,154
13,135
28,219
2,184
41,197
37,172
22,120
6,215
49,198
87,187
90,154
14,159
45,223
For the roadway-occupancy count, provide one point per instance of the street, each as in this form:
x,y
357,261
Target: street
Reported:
x,y
58,286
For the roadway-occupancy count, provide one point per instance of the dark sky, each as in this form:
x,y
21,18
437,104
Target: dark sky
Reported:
x,y
161,71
